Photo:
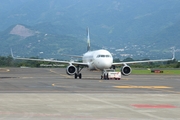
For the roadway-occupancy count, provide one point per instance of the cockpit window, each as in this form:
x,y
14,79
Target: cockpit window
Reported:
x,y
103,56
98,56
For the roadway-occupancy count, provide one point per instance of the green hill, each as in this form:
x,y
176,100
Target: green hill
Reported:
x,y
30,42
142,29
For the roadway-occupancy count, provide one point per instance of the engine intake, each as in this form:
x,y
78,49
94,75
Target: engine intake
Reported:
x,y
71,70
126,70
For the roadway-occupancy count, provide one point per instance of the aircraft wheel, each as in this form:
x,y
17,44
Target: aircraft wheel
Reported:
x,y
107,77
80,75
75,75
104,77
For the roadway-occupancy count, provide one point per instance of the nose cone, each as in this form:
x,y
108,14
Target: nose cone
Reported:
x,y
103,63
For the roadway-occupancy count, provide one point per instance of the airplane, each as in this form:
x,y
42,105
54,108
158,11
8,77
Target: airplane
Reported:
x,y
94,60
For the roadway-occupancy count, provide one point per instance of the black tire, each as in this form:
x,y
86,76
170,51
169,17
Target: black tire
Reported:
x,y
104,77
75,75
80,75
107,77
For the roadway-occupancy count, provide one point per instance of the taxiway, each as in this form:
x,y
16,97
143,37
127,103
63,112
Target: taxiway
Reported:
x,y
48,93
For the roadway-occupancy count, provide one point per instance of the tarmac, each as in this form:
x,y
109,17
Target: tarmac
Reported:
x,y
50,94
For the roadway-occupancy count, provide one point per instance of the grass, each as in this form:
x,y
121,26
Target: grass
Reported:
x,y
148,71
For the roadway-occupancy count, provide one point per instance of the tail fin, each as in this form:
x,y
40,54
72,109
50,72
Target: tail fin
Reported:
x,y
88,40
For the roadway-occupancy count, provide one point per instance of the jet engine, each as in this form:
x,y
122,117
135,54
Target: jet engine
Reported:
x,y
126,70
71,70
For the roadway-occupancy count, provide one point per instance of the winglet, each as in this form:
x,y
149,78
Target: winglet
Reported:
x,y
88,40
12,54
173,51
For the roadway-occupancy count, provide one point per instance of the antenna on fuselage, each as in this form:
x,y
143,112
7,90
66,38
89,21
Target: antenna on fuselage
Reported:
x,y
88,40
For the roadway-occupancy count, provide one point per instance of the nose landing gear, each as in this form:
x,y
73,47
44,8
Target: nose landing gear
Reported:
x,y
78,74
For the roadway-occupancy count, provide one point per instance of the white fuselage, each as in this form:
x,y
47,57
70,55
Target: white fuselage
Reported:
x,y
98,59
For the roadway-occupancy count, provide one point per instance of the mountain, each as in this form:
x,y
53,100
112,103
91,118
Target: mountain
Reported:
x,y
26,41
136,28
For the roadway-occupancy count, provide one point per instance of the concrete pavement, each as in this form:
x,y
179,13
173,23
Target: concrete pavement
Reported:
x,y
44,93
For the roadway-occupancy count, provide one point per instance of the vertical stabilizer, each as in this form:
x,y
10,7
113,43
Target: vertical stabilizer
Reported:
x,y
88,40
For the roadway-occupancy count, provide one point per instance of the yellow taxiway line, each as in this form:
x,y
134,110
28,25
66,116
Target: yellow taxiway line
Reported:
x,y
67,76
4,70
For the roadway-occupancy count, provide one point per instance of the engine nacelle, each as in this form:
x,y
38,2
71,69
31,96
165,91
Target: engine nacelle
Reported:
x,y
71,70
126,70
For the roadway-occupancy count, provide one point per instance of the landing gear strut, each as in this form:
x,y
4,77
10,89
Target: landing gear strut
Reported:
x,y
105,76
78,74
113,67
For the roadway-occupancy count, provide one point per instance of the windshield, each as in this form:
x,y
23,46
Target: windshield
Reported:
x,y
98,56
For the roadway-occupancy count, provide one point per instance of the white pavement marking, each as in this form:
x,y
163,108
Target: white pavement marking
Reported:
x,y
120,106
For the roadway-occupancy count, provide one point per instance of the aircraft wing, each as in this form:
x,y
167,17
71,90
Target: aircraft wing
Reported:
x,y
50,60
144,61
147,61
74,56
55,61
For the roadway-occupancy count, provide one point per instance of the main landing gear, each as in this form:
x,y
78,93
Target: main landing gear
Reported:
x,y
78,74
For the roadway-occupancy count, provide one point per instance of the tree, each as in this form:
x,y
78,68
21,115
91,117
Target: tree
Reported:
x,y
128,59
